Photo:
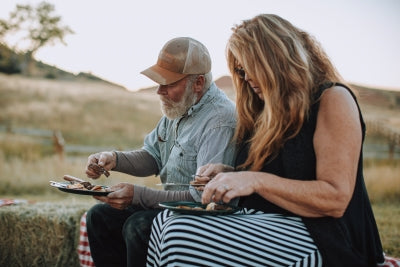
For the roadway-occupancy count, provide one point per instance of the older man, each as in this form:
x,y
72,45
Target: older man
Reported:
x,y
196,129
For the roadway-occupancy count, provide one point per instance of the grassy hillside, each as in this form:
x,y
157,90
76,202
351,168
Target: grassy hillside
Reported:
x,y
86,112
379,104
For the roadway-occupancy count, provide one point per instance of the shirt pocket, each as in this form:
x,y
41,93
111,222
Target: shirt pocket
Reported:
x,y
186,158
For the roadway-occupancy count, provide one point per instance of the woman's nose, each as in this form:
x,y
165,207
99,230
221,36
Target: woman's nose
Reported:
x,y
246,77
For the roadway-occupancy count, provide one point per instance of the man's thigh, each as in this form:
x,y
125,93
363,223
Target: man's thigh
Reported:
x,y
138,225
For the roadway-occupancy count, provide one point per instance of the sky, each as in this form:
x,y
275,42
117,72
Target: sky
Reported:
x,y
117,39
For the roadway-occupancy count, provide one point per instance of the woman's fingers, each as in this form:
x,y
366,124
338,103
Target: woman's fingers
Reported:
x,y
216,190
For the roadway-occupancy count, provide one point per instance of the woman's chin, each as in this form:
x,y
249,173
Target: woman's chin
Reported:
x,y
257,91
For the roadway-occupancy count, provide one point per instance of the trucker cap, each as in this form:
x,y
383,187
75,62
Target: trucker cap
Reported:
x,y
178,58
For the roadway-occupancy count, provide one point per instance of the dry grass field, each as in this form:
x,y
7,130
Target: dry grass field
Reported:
x,y
93,116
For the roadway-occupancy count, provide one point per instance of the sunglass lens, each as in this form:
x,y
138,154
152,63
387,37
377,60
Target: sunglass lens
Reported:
x,y
240,72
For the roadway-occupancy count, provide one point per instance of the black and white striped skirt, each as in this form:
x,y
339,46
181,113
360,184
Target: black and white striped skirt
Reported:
x,y
246,238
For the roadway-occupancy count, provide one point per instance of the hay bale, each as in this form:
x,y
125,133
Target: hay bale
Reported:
x,y
41,234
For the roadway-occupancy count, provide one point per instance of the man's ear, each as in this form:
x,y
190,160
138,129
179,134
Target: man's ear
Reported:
x,y
199,84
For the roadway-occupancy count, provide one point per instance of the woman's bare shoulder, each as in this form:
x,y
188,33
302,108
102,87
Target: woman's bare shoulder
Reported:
x,y
338,97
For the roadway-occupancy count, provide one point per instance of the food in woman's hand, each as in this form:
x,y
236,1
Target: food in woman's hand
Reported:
x,y
198,185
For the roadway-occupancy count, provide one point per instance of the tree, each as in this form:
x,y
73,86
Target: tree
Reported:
x,y
32,28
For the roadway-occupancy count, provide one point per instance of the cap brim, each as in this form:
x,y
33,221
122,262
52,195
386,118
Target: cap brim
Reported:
x,y
162,76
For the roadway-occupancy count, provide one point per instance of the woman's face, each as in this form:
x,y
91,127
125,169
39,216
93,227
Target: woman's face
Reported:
x,y
243,75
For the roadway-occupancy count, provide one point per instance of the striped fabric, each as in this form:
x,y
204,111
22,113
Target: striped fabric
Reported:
x,y
246,238
85,258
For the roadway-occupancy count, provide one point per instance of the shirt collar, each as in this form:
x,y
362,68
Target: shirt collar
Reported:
x,y
207,97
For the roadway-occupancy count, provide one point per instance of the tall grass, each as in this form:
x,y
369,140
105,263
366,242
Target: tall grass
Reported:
x,y
382,178
101,115
387,215
20,177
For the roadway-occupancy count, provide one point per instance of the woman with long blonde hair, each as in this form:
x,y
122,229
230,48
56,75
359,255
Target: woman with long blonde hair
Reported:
x,y
298,170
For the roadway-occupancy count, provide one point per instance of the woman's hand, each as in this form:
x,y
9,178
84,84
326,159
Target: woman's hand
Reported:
x,y
212,169
121,198
226,186
207,172
107,160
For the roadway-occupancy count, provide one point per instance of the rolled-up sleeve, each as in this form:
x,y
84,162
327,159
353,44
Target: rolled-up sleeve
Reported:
x,y
150,198
136,162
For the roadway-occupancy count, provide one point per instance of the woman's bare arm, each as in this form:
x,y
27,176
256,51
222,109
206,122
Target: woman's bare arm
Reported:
x,y
337,143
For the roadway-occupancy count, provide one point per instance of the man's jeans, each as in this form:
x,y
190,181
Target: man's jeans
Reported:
x,y
119,237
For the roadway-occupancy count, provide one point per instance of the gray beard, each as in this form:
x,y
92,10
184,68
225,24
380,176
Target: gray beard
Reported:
x,y
173,110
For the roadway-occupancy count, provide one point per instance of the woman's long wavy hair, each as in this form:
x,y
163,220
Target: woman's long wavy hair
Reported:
x,y
288,65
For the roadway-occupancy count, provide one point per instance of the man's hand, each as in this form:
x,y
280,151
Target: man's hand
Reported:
x,y
208,171
121,198
107,160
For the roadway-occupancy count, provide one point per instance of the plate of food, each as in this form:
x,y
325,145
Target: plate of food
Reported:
x,y
78,186
197,208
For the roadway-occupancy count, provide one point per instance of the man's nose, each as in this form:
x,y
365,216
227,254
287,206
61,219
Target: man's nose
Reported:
x,y
161,90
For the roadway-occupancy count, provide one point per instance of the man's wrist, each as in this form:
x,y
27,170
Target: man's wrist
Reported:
x,y
115,156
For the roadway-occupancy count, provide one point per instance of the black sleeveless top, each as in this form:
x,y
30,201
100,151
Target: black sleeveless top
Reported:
x,y
352,240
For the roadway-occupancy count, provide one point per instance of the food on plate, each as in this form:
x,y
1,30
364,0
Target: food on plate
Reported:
x,y
99,169
210,206
77,183
215,206
189,208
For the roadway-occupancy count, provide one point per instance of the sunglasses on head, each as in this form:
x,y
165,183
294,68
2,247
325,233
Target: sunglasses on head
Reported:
x,y
240,72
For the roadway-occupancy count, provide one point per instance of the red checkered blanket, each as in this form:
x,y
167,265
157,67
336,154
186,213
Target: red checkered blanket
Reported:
x,y
390,262
85,257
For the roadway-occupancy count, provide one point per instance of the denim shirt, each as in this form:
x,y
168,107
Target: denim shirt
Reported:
x,y
203,135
